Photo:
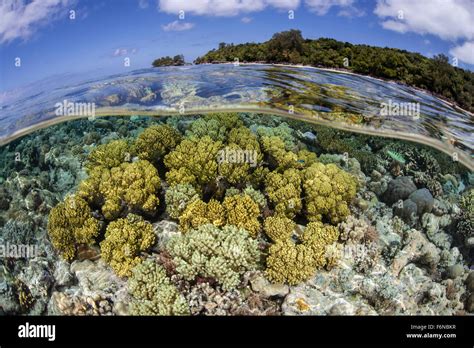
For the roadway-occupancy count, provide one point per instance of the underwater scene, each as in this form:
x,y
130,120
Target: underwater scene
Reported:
x,y
231,213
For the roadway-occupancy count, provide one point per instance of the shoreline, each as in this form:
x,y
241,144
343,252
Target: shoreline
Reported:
x,y
348,72
463,157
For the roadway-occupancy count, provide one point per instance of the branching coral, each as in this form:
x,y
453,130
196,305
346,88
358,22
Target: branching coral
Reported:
x,y
283,131
293,263
194,161
124,241
279,228
256,195
131,187
211,128
198,213
284,192
239,210
235,163
152,292
178,197
328,190
242,211
274,147
109,155
156,141
229,120
71,223
465,225
222,254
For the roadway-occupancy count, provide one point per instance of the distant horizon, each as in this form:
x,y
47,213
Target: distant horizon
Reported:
x,y
101,35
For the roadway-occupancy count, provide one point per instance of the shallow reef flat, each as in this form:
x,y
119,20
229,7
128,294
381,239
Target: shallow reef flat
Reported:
x,y
231,214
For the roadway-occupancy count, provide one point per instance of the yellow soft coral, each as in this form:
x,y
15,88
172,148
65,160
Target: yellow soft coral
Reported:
x,y
194,161
284,191
71,223
279,228
242,211
198,213
109,155
131,187
156,141
328,190
293,263
125,239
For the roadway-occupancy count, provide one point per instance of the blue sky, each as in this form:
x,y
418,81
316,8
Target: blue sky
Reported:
x,y
105,32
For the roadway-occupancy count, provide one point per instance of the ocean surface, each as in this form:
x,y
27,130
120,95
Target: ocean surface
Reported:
x,y
298,91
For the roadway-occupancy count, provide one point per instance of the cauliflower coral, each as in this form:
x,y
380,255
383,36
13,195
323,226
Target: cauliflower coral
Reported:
x,y
71,223
328,190
211,252
124,241
131,187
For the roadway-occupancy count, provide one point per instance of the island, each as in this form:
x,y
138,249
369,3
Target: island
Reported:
x,y
177,60
435,74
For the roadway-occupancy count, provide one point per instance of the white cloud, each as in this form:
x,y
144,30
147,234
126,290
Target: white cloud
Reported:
x,y
246,20
177,26
464,52
321,7
20,19
223,7
447,19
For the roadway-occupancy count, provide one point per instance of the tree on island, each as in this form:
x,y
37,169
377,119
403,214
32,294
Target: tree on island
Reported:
x,y
168,61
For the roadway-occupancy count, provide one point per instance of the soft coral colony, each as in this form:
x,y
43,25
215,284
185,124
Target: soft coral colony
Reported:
x,y
276,215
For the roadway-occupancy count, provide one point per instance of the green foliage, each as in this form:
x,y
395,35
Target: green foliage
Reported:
x,y
168,61
125,240
156,141
71,223
293,263
222,254
327,190
434,74
153,293
131,187
178,197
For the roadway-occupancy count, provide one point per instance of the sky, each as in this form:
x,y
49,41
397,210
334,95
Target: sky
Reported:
x,y
40,39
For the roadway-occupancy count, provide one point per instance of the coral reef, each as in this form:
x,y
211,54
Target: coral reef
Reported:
x,y
153,293
155,142
70,223
200,169
328,190
210,252
125,240
131,187
178,197
293,263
